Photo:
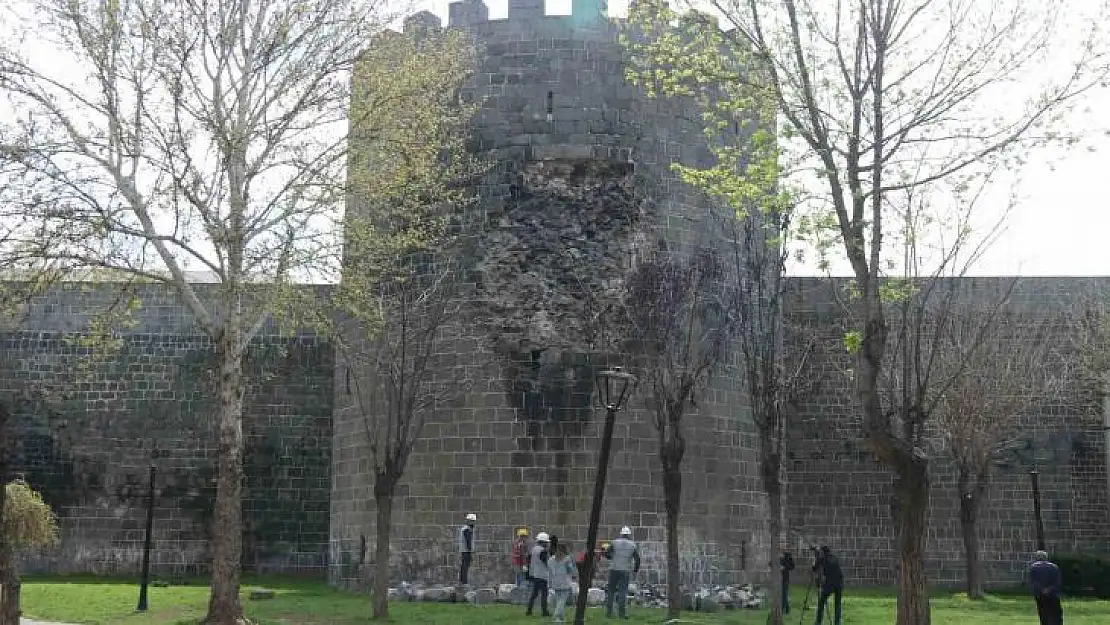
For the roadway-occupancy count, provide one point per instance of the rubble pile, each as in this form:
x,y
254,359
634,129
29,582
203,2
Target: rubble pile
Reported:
x,y
703,599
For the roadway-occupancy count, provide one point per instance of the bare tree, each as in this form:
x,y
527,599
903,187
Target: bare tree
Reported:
x,y
776,356
877,97
406,235
163,136
678,334
1017,367
939,325
395,381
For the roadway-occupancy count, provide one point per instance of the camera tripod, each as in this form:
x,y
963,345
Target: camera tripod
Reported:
x,y
805,604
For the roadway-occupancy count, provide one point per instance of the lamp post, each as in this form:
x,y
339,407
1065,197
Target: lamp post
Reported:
x,y
147,540
613,387
1034,478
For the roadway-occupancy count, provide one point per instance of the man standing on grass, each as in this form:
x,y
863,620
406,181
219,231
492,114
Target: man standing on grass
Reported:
x,y
466,547
1045,581
625,557
786,565
827,568
538,573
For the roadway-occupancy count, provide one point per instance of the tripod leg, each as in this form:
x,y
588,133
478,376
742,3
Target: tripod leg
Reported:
x,y
805,604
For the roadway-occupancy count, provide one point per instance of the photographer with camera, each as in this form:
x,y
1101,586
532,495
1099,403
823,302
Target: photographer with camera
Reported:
x,y
826,569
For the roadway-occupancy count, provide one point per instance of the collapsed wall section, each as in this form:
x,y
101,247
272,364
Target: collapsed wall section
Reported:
x,y
581,190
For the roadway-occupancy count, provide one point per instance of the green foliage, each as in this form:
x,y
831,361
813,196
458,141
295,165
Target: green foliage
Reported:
x,y
1085,575
853,341
896,290
407,157
100,342
28,521
688,56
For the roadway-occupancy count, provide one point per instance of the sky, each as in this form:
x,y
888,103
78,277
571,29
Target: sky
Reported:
x,y
1060,224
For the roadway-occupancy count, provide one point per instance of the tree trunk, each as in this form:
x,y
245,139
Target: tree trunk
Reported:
x,y
775,512
672,497
224,607
910,514
9,577
383,501
970,496
9,586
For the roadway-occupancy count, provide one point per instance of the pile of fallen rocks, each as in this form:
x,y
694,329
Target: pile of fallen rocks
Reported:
x,y
704,599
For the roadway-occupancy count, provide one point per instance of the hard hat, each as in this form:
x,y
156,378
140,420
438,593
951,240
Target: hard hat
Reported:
x,y
542,537
522,531
472,517
626,531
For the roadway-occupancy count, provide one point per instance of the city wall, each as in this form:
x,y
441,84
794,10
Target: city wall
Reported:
x,y
88,425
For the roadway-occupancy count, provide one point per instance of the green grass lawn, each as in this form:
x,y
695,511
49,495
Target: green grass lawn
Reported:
x,y
313,603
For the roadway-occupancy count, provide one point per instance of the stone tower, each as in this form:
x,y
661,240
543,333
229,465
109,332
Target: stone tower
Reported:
x,y
582,187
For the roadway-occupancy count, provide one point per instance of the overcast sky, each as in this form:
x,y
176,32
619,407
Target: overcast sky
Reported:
x,y
1061,223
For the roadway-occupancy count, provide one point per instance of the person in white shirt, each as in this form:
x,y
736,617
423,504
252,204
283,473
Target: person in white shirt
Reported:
x,y
624,555
538,573
466,547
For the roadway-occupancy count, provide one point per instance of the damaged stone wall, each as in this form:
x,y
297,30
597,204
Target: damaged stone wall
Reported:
x,y
582,186
548,270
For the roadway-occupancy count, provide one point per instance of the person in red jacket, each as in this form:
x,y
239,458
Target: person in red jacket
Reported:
x,y
520,555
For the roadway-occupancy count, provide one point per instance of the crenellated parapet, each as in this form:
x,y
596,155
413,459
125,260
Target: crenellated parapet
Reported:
x,y
474,13
465,13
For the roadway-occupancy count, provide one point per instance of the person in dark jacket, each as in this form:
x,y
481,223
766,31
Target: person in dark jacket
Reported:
x,y
786,565
1044,582
827,568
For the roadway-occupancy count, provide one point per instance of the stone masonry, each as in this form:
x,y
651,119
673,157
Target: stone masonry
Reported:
x,y
582,190
838,495
89,446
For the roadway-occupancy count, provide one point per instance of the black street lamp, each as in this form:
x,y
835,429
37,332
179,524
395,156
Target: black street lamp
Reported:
x,y
147,540
613,388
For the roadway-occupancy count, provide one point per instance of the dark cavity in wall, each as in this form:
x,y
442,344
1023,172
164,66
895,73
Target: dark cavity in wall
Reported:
x,y
549,265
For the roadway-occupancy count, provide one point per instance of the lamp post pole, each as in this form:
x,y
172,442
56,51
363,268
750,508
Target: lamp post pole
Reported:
x,y
590,561
147,540
612,399
1034,478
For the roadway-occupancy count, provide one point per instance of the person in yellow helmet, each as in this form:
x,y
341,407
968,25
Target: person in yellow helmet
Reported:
x,y
521,550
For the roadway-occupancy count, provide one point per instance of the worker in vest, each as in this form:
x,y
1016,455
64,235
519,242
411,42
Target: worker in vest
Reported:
x,y
466,547
520,555
624,557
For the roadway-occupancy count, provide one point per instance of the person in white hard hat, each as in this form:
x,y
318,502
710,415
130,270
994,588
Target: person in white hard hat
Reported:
x,y
624,558
539,573
466,547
